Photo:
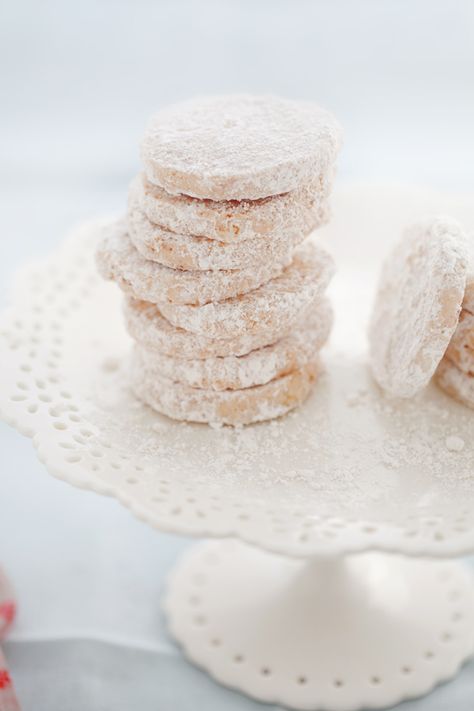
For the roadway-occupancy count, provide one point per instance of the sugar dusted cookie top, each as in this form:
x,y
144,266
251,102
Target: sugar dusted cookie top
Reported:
x,y
239,147
417,305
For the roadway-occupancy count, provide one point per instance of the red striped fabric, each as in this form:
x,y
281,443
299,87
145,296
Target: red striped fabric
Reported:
x,y
8,699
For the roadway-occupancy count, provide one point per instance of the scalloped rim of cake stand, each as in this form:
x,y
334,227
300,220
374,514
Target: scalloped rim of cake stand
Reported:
x,y
38,303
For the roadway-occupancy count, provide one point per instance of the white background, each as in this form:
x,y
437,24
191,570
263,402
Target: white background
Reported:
x,y
78,81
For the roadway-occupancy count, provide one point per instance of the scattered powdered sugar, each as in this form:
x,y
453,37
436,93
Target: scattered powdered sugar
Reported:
x,y
110,364
357,398
454,444
347,457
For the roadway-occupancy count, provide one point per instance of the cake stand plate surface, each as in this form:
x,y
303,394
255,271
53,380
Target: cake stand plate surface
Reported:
x,y
335,633
348,471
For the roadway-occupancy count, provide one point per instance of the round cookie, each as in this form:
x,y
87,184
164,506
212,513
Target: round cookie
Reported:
x,y
256,368
179,251
279,217
230,407
461,347
118,260
468,302
239,147
277,303
455,383
149,328
417,305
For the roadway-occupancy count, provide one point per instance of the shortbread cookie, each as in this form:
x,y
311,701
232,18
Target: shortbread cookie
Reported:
x,y
239,147
461,347
277,302
468,302
455,383
417,305
149,328
231,407
118,260
256,368
179,251
279,217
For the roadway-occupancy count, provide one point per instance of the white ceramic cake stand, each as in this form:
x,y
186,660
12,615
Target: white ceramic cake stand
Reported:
x,y
305,625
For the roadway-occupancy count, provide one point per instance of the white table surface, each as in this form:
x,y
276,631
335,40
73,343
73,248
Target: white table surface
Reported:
x,y
78,82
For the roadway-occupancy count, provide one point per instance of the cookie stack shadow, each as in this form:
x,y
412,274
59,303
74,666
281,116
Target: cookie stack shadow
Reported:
x,y
225,287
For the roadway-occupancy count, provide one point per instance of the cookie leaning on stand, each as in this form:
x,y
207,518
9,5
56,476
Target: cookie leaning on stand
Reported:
x,y
468,301
461,348
455,382
455,373
417,305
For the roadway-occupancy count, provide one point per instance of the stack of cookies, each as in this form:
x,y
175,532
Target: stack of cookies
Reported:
x,y
224,292
455,373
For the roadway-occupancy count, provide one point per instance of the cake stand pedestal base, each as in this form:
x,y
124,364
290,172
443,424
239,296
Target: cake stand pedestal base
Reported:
x,y
331,633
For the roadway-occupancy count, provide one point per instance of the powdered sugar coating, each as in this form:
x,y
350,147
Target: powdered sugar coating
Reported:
x,y
256,368
239,147
468,302
180,251
461,347
455,383
120,261
230,407
277,303
280,216
417,305
148,327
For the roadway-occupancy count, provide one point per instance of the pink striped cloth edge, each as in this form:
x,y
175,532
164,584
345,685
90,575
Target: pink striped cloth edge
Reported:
x,y
8,700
